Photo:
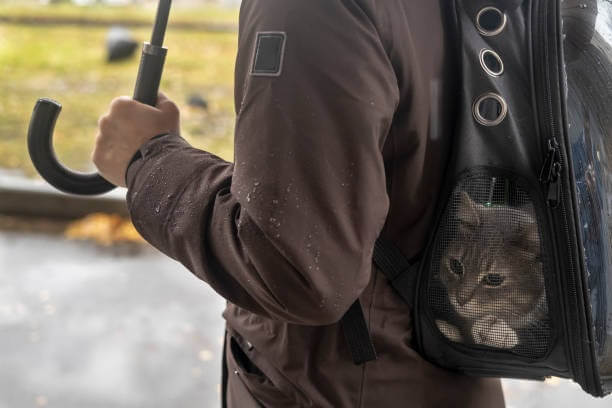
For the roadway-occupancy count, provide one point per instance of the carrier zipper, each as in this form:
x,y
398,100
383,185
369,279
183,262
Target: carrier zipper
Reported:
x,y
556,162
551,172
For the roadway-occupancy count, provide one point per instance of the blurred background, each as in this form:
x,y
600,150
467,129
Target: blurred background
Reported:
x,y
90,315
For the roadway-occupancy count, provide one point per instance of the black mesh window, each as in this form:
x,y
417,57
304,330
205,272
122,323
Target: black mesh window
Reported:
x,y
486,283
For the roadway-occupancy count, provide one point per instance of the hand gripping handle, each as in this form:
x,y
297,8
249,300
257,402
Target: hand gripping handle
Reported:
x,y
46,112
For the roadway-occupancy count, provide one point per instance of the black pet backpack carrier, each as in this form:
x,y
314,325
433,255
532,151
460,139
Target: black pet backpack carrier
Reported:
x,y
516,280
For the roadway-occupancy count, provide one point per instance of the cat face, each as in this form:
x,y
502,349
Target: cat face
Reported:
x,y
493,268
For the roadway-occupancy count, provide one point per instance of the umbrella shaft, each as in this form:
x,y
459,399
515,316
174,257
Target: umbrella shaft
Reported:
x,y
161,22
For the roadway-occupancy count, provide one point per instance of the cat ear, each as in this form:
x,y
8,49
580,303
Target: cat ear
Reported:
x,y
467,213
529,234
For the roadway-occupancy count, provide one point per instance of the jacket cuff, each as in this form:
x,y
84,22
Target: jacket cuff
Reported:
x,y
149,149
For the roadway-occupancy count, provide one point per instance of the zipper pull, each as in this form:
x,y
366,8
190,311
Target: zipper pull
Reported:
x,y
549,175
554,192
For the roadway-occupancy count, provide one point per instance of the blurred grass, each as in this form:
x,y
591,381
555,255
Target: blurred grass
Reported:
x,y
68,63
112,14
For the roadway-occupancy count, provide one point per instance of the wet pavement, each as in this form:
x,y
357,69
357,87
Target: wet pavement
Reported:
x,y
84,327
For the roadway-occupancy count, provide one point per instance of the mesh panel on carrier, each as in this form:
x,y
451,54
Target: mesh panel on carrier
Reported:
x,y
487,285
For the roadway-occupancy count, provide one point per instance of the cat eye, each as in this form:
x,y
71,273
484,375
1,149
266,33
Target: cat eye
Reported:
x,y
456,267
493,279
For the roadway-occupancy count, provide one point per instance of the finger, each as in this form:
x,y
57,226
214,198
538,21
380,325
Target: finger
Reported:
x,y
138,108
120,103
130,103
167,106
161,98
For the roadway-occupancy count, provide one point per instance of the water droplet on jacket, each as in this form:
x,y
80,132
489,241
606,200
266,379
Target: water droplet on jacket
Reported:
x,y
157,208
272,220
248,198
256,183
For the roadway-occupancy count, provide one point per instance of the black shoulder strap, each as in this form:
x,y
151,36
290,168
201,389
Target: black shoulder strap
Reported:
x,y
399,270
357,334
224,373
401,273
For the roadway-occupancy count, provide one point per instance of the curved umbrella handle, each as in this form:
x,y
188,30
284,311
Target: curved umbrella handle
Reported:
x,y
46,112
40,146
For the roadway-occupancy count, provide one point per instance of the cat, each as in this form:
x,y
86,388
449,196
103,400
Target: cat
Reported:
x,y
493,275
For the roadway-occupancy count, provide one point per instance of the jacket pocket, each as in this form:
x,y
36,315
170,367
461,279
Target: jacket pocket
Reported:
x,y
241,358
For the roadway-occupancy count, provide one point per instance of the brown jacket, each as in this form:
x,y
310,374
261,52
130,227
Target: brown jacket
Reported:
x,y
348,141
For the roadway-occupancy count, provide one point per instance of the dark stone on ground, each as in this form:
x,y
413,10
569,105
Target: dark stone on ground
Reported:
x,y
197,101
120,44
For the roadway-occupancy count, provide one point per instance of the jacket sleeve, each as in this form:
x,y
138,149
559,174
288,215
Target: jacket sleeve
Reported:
x,y
288,230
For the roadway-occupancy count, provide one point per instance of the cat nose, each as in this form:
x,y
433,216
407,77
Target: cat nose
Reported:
x,y
464,296
462,299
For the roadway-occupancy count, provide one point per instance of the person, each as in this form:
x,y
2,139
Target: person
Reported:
x,y
344,126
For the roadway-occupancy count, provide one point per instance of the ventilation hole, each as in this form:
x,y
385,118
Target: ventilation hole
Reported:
x,y
490,109
490,21
491,62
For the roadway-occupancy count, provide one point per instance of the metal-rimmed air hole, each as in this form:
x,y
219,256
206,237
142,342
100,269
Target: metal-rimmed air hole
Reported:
x,y
491,62
490,109
491,21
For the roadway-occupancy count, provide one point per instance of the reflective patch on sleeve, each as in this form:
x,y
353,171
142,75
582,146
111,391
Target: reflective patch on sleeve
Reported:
x,y
269,53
